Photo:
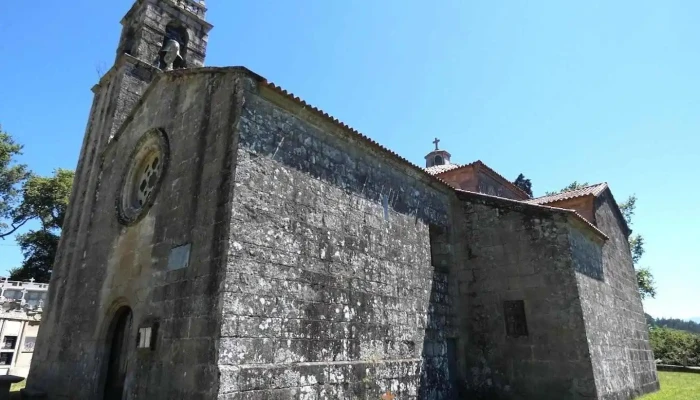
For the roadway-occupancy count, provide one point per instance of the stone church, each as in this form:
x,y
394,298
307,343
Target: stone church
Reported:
x,y
227,240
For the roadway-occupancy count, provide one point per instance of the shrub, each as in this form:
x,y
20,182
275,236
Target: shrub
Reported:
x,y
675,347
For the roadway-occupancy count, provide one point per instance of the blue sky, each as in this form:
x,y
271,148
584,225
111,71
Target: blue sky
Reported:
x,y
560,91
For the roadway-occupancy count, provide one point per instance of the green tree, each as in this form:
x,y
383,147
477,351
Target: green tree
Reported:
x,y
524,184
678,324
572,186
39,250
46,200
12,176
645,280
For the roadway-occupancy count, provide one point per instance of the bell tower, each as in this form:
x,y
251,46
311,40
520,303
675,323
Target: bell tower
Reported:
x,y
154,28
157,35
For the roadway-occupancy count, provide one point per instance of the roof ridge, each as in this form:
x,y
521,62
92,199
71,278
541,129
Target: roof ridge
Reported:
x,y
570,191
588,190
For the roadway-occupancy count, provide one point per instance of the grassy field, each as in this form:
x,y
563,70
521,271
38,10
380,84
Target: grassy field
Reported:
x,y
676,386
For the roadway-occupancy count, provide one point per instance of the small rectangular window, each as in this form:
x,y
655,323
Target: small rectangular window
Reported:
x,y
6,358
144,338
9,342
154,335
514,312
385,205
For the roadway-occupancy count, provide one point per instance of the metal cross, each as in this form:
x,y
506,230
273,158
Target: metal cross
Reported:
x,y
436,141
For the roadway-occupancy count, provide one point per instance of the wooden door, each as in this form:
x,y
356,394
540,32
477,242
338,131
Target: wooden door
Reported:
x,y
118,355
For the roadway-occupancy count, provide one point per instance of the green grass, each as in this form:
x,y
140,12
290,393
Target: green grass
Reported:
x,y
15,388
676,386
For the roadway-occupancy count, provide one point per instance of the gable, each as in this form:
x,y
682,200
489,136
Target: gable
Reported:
x,y
607,199
583,205
586,201
464,178
494,184
478,177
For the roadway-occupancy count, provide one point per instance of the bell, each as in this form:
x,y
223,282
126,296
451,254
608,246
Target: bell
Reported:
x,y
171,52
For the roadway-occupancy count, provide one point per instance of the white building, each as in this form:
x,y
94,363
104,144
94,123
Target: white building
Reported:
x,y
21,306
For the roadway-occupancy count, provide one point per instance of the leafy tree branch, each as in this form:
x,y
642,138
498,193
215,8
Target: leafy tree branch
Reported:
x,y
25,197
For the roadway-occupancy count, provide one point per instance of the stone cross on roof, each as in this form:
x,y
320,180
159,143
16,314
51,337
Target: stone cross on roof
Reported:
x,y
436,141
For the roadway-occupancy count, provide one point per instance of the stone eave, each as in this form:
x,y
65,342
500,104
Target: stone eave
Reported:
x,y
317,117
517,205
199,17
605,189
206,25
290,103
299,107
121,61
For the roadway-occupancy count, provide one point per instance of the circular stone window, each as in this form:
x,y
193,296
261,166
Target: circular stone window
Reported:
x,y
146,168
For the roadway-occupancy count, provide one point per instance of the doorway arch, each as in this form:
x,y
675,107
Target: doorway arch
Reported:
x,y
117,356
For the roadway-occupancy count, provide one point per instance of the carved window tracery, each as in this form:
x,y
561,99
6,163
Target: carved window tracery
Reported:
x,y
146,169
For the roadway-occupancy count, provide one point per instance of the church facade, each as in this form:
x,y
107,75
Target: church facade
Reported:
x,y
226,240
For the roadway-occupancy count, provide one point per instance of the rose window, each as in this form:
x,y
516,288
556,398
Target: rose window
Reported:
x,y
146,169
148,178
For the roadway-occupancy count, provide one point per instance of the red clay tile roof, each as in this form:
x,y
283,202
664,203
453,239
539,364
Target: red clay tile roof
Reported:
x,y
438,169
592,190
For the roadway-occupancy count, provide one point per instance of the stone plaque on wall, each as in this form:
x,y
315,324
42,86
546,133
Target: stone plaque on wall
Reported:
x,y
29,342
179,257
514,312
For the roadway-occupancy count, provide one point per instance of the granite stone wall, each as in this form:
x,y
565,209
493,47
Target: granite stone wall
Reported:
x,y
623,363
329,278
523,326
114,99
285,257
131,266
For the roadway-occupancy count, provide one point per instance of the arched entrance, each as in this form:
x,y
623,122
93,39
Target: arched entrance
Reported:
x,y
118,341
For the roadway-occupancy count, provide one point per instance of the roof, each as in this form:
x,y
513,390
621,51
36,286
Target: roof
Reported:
x,y
438,169
518,203
271,86
367,140
592,190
